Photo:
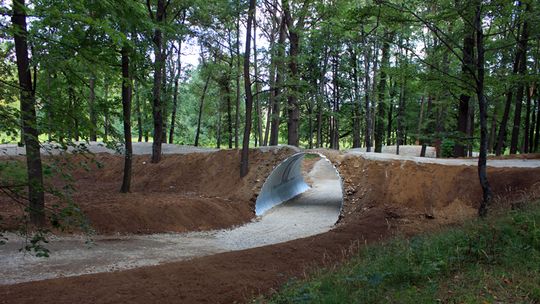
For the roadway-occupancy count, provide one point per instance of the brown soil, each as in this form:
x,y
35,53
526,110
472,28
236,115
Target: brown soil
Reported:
x,y
198,191
418,191
381,199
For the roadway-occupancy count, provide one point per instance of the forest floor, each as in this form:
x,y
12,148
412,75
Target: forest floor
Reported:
x,y
382,197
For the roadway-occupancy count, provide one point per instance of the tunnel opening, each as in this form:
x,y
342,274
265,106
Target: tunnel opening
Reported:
x,y
307,179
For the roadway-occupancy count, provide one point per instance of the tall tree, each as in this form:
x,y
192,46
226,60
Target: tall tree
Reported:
x,y
127,86
244,159
30,132
159,62
522,70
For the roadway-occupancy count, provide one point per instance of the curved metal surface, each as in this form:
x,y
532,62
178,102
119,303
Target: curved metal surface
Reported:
x,y
285,182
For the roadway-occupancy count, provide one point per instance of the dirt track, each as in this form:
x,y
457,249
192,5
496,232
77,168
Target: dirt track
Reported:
x,y
381,197
313,212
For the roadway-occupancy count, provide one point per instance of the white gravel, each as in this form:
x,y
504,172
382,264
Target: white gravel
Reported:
x,y
409,150
139,148
499,163
313,212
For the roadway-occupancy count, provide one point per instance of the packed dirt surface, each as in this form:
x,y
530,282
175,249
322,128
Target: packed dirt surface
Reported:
x,y
382,197
184,192
314,211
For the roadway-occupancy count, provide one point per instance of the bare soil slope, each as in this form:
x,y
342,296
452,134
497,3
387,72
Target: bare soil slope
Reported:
x,y
184,192
381,198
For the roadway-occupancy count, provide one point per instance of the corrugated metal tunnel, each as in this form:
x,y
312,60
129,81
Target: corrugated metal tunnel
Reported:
x,y
287,181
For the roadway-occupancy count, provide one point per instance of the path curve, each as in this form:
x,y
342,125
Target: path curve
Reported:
x,y
312,212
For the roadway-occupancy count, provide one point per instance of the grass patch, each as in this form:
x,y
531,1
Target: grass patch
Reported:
x,y
496,260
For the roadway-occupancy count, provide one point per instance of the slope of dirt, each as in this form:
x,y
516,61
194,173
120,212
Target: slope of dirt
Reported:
x,y
184,192
418,191
315,211
381,198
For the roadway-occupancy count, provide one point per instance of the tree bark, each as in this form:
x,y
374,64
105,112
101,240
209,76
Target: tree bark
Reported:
x,y
274,128
91,108
537,129
106,119
367,61
257,86
126,111
525,148
522,48
175,93
293,109
238,67
401,111
464,98
357,104
381,104
244,159
139,114
34,172
159,63
201,104
482,104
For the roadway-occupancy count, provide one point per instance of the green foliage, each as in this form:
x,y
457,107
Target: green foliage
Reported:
x,y
486,260
447,148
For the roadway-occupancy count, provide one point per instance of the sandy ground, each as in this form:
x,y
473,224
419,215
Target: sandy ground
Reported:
x,y
313,212
139,148
409,150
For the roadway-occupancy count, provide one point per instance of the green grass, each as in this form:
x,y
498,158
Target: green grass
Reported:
x,y
496,260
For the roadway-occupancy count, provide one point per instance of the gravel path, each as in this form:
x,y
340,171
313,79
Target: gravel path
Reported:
x,y
313,212
139,148
499,163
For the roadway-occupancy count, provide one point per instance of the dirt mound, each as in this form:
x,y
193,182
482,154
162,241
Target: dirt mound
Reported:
x,y
446,194
197,191
381,198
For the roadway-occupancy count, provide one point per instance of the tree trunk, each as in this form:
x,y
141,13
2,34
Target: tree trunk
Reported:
x,y
427,126
357,104
201,104
525,148
229,114
139,114
244,159
381,104
165,92
159,63
257,86
272,73
493,130
482,104
92,108
537,129
34,172
126,110
464,98
522,47
293,109
238,67
367,61
175,93
401,111
106,122
274,128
